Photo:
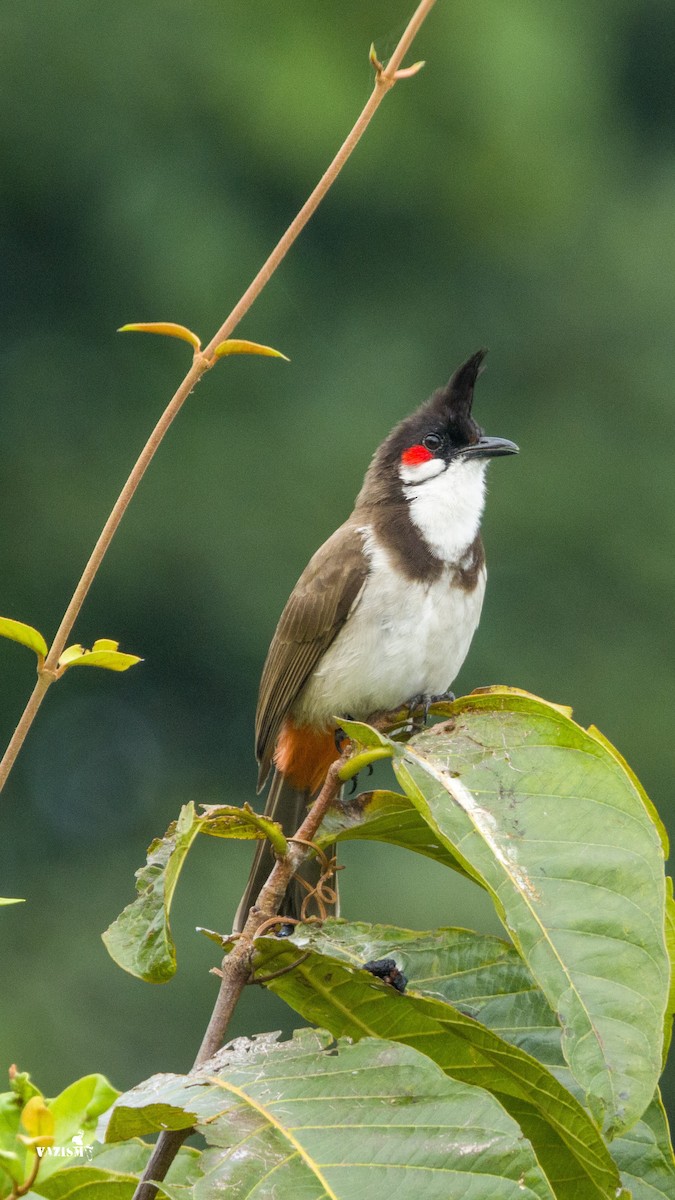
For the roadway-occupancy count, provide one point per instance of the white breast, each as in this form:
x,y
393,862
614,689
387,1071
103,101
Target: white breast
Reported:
x,y
447,508
400,639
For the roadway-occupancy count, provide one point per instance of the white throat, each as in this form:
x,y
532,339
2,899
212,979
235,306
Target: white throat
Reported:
x,y
447,508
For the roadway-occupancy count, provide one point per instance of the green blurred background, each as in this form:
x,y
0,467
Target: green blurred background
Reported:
x,y
519,194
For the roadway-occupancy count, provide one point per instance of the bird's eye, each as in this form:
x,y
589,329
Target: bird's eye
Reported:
x,y
433,441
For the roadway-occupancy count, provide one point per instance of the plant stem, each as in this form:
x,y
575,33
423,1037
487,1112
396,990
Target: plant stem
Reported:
x,y
24,1188
236,966
19,736
384,81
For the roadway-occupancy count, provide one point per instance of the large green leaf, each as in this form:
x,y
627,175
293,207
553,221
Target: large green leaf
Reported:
x,y
327,987
482,975
645,1156
310,1119
486,978
549,818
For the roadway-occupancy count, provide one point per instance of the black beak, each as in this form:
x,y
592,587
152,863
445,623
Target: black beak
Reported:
x,y
489,447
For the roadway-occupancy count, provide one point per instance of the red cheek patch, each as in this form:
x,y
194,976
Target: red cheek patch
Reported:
x,y
415,455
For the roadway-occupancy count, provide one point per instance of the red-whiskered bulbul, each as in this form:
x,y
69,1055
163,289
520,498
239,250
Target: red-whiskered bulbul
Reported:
x,y
385,611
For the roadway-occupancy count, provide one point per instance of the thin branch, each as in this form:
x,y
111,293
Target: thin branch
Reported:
x,y
19,736
235,970
282,970
203,361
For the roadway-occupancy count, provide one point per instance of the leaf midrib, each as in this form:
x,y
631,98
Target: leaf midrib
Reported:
x,y
246,1098
426,764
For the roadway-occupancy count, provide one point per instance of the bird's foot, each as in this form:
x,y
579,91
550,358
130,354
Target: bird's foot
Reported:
x,y
425,702
341,741
355,779
340,737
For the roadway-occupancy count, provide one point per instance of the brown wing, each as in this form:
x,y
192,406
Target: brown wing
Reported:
x,y
316,611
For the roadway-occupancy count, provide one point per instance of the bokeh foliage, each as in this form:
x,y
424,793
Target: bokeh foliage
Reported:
x,y
519,193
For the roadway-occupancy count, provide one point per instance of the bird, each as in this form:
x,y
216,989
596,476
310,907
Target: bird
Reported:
x,y
384,613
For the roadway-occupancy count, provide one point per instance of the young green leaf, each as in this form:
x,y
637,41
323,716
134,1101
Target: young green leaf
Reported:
x,y
13,1154
6,900
16,631
335,1122
104,654
36,1119
111,1172
76,1109
347,1000
237,346
140,939
167,328
84,1183
551,822
365,737
228,821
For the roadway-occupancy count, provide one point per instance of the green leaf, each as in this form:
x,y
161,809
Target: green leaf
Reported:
x,y
551,822
228,821
88,1183
167,328
482,975
330,988
140,939
38,1119
112,1173
104,654
237,346
84,1183
23,1087
364,736
645,1156
308,1118
5,900
10,1117
221,939
16,631
384,817
76,1109
131,1158
486,978
670,943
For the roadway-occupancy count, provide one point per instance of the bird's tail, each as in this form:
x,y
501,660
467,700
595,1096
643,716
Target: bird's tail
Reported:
x,y
287,805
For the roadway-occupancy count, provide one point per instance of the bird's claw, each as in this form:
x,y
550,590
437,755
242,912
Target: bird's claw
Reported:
x,y
425,702
340,737
355,778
